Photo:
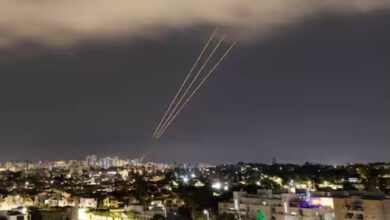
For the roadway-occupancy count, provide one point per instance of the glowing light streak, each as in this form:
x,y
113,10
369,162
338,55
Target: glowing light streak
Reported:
x,y
195,90
185,81
190,86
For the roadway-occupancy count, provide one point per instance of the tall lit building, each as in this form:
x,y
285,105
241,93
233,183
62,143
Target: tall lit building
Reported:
x,y
91,160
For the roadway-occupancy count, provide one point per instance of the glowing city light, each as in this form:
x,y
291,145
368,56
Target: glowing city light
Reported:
x,y
217,185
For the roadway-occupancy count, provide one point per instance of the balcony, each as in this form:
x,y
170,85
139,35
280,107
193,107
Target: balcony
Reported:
x,y
354,208
354,216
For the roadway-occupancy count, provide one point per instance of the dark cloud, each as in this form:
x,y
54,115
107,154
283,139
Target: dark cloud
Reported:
x,y
66,23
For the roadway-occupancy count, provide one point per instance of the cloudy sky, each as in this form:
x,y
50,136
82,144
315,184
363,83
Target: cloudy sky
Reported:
x,y
308,80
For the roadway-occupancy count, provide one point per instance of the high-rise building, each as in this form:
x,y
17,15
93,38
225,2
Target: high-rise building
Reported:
x,y
91,160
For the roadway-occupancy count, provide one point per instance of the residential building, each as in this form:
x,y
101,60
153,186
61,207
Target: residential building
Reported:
x,y
307,206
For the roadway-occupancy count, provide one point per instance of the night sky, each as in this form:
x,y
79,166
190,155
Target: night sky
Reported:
x,y
314,91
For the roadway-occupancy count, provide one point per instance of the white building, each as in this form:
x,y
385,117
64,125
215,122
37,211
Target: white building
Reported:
x,y
319,206
274,207
88,203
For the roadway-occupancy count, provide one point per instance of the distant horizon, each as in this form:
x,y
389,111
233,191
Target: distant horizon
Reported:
x,y
194,163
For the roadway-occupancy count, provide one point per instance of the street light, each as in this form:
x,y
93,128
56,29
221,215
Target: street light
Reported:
x,y
165,211
206,212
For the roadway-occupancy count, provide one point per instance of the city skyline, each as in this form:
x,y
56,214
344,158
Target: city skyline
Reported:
x,y
100,160
312,90
99,188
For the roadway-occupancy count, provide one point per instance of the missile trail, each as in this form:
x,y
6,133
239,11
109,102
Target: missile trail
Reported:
x,y
196,89
191,84
185,81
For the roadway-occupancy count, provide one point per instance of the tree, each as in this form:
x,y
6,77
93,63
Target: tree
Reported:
x,y
226,216
158,217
